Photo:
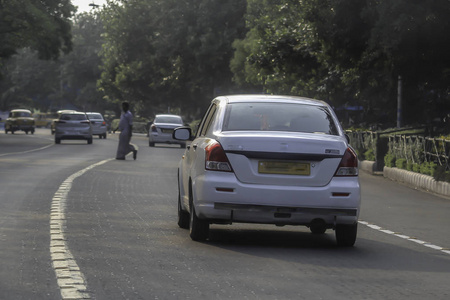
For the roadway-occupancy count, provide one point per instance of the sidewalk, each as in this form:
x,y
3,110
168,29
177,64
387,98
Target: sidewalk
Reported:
x,y
412,179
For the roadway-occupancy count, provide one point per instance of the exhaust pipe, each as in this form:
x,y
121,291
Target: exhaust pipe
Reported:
x,y
318,226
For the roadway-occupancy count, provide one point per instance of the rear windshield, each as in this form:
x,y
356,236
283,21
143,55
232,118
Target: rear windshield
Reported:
x,y
168,119
73,117
18,114
279,117
95,116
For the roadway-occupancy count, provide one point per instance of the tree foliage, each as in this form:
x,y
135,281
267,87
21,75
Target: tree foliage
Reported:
x,y
349,51
168,53
67,82
42,25
180,53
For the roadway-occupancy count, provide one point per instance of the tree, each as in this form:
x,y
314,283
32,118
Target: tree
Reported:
x,y
349,51
80,69
169,53
66,82
42,25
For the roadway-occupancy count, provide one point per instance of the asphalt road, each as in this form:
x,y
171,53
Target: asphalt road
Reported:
x,y
119,234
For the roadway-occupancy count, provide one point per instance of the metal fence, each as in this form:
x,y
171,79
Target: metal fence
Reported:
x,y
362,141
418,149
413,148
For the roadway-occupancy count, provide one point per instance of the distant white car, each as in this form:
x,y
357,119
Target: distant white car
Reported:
x,y
162,128
271,160
73,126
98,124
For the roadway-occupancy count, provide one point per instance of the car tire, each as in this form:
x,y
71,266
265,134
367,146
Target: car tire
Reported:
x,y
104,136
183,216
183,146
57,141
199,229
89,141
346,234
151,144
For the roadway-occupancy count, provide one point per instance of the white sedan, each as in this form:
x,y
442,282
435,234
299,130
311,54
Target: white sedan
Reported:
x,y
268,159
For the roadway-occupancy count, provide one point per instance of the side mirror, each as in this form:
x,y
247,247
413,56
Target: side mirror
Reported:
x,y
182,133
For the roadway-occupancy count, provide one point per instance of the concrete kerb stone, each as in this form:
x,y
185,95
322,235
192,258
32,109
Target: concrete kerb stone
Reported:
x,y
367,166
418,181
412,179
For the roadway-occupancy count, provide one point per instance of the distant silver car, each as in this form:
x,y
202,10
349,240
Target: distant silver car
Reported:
x,y
73,126
162,128
98,124
271,160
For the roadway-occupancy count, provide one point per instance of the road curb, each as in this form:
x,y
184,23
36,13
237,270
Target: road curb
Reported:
x,y
412,179
368,166
418,181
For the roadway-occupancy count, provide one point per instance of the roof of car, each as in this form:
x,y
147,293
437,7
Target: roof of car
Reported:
x,y
73,112
20,110
166,115
270,98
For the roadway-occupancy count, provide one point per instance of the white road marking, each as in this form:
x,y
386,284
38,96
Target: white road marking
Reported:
x,y
70,279
28,151
411,239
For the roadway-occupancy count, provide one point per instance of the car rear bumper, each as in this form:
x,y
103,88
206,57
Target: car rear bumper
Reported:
x,y
220,197
164,138
22,127
99,131
66,135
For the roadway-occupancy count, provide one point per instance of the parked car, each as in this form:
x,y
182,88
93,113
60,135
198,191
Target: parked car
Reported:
x,y
162,128
20,119
73,126
58,113
98,123
272,160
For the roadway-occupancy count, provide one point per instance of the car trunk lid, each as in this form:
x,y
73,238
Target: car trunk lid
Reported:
x,y
283,158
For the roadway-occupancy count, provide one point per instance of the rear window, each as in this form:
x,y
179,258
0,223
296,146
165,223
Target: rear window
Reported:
x,y
18,114
73,117
168,119
95,116
279,117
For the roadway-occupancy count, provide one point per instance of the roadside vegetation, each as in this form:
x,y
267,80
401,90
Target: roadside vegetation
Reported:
x,y
166,55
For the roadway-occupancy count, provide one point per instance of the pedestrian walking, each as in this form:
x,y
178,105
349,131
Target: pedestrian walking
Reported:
x,y
126,129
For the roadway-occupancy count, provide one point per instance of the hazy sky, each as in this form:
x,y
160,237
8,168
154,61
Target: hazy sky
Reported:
x,y
83,5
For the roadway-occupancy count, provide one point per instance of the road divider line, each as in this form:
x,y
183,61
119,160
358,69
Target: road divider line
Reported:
x,y
402,236
69,277
28,151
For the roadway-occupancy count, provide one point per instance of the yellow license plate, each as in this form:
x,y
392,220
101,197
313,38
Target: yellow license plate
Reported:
x,y
284,167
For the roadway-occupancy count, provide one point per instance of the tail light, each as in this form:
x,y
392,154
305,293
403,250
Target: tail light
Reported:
x,y
216,159
103,123
348,165
153,128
